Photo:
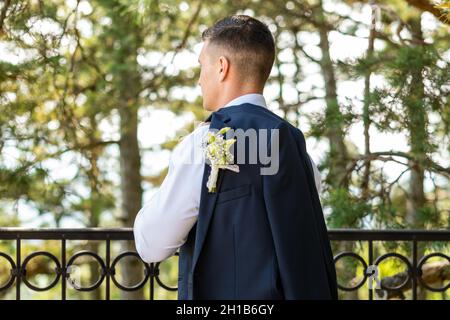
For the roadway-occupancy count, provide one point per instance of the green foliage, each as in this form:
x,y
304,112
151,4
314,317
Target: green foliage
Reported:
x,y
347,211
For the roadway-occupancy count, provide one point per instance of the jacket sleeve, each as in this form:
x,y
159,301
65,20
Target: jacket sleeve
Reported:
x,y
296,220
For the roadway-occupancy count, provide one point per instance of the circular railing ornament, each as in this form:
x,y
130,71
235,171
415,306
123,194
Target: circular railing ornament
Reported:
x,y
405,261
12,275
419,269
57,270
360,259
113,273
99,281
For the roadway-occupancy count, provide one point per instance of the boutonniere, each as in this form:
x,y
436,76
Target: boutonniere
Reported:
x,y
217,151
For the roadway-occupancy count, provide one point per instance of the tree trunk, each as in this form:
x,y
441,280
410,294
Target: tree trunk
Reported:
x,y
95,204
128,86
417,140
130,164
365,190
338,158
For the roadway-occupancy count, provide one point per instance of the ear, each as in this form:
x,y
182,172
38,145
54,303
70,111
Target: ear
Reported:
x,y
224,68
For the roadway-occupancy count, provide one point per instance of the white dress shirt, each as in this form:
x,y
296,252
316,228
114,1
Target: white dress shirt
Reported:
x,y
163,224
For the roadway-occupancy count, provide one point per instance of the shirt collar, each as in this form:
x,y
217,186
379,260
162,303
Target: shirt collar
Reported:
x,y
253,98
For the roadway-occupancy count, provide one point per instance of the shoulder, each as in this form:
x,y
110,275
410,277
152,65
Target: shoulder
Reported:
x,y
188,143
256,116
199,131
261,117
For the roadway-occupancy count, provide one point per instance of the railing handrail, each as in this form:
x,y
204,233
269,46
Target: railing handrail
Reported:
x,y
67,233
127,234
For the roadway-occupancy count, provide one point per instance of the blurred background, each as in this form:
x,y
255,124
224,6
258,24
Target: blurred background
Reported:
x,y
95,94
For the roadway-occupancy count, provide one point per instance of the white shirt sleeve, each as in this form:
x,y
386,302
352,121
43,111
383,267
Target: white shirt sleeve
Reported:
x,y
163,224
317,178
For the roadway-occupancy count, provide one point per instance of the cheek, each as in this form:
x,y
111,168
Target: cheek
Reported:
x,y
208,78
204,78
200,77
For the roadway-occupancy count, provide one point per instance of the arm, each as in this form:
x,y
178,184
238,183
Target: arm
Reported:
x,y
317,178
162,225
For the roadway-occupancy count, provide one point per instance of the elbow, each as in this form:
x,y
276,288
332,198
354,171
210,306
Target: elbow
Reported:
x,y
149,251
152,256
149,257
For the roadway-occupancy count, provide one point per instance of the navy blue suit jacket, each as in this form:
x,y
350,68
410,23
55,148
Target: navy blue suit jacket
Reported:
x,y
259,236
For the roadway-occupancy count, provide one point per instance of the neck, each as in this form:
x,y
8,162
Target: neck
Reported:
x,y
229,95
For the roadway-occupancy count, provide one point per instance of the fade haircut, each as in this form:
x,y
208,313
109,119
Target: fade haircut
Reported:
x,y
248,41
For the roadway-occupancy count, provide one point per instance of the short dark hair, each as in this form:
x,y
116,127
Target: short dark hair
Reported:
x,y
248,40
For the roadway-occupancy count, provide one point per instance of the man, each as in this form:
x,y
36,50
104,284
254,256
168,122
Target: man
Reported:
x,y
258,236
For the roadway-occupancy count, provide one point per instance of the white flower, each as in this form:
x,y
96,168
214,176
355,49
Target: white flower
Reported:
x,y
217,150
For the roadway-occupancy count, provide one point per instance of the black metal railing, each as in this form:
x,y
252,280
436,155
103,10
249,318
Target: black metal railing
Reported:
x,y
63,265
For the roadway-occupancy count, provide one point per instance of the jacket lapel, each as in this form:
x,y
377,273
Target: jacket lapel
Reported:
x,y
207,200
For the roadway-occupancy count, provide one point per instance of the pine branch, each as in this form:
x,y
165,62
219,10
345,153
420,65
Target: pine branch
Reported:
x,y
425,5
5,7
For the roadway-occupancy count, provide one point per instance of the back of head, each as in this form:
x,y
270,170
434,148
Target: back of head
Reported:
x,y
248,43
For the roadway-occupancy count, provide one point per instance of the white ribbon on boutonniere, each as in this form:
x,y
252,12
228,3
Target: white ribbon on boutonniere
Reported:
x,y
217,151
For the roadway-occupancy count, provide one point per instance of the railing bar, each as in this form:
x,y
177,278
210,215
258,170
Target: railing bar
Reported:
x,y
414,274
108,268
152,281
370,263
19,268
63,269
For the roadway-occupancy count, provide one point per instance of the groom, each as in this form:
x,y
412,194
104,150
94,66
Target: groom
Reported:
x,y
261,234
